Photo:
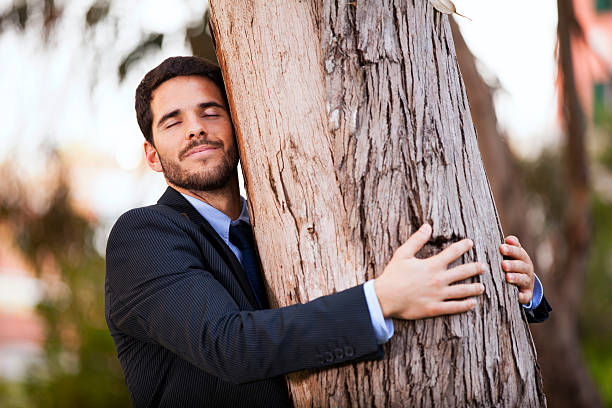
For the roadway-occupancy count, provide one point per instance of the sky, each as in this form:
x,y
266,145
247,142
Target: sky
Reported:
x,y
87,117
514,42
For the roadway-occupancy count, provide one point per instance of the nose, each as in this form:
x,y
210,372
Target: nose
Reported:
x,y
195,128
195,132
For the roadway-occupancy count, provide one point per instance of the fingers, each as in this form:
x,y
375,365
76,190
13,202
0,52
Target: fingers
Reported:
x,y
453,252
463,291
525,297
464,271
453,307
519,279
516,266
512,240
415,242
515,252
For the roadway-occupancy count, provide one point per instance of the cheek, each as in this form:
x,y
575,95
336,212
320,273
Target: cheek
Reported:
x,y
168,153
226,132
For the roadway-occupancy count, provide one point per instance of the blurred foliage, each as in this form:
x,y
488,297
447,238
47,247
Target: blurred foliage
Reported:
x,y
81,367
97,12
19,12
596,309
595,320
544,177
200,39
603,118
16,15
152,42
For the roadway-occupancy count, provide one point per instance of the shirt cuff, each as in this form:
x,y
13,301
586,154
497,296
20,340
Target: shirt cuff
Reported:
x,y
383,328
538,293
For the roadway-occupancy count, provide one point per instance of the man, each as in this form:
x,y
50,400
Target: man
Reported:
x,y
185,301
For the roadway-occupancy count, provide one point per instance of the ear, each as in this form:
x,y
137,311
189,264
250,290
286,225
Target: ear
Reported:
x,y
152,157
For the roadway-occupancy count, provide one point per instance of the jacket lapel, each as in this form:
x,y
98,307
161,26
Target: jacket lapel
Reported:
x,y
177,202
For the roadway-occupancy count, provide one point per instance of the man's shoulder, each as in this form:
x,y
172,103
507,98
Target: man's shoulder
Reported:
x,y
147,235
151,214
155,220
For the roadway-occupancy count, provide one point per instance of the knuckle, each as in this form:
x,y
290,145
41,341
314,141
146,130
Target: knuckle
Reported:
x,y
465,305
473,269
460,250
436,281
430,310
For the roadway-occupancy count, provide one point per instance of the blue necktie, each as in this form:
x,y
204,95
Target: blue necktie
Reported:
x,y
241,235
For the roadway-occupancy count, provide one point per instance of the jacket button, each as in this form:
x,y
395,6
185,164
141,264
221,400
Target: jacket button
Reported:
x,y
329,357
320,359
339,353
349,351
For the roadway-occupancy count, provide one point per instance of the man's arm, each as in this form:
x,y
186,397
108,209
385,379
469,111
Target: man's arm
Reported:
x,y
161,291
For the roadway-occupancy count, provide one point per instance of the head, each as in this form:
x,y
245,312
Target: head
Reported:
x,y
182,110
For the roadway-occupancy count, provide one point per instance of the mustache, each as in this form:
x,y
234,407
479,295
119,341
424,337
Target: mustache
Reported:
x,y
198,143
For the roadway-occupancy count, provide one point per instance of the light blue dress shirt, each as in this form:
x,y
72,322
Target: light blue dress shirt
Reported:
x,y
383,328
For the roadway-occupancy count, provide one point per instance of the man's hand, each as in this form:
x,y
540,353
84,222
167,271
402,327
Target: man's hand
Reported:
x,y
412,288
519,270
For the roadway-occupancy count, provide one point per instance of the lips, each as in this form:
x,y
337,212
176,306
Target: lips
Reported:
x,y
198,149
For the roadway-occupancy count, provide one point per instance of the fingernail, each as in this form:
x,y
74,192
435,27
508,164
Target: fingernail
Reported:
x,y
483,268
505,264
425,228
470,243
482,288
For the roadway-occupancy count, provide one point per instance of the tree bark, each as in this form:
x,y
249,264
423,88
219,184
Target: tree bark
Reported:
x,y
354,129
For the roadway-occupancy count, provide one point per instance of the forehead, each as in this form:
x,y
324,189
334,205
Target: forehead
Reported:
x,y
184,92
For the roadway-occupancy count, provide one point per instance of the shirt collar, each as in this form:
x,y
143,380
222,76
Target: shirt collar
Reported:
x,y
216,218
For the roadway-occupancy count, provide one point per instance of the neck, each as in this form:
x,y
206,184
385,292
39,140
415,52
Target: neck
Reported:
x,y
226,199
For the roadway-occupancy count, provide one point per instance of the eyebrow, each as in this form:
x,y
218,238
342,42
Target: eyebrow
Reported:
x,y
176,112
168,116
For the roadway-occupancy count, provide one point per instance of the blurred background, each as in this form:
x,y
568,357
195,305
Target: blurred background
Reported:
x,y
538,76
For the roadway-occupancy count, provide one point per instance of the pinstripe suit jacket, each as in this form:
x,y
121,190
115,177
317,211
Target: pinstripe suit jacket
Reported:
x,y
181,312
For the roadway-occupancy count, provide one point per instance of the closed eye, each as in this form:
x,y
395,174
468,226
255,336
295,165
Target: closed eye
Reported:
x,y
172,124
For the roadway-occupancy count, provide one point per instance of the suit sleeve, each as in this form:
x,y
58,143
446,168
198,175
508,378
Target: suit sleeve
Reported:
x,y
160,291
540,313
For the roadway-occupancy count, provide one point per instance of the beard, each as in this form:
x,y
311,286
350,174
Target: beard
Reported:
x,y
207,178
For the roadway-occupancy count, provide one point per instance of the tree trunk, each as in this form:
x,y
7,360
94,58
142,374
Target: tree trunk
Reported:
x,y
354,129
567,380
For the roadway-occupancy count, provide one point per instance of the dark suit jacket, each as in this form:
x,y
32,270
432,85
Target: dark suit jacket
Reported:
x,y
182,315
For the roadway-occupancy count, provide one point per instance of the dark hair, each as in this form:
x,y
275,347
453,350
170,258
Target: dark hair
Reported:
x,y
171,68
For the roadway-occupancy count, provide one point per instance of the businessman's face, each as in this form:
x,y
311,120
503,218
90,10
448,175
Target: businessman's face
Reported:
x,y
193,134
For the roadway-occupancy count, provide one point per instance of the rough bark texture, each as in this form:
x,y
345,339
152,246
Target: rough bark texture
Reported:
x,y
567,382
354,129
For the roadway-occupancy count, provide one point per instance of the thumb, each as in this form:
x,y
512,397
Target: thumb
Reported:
x,y
415,242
